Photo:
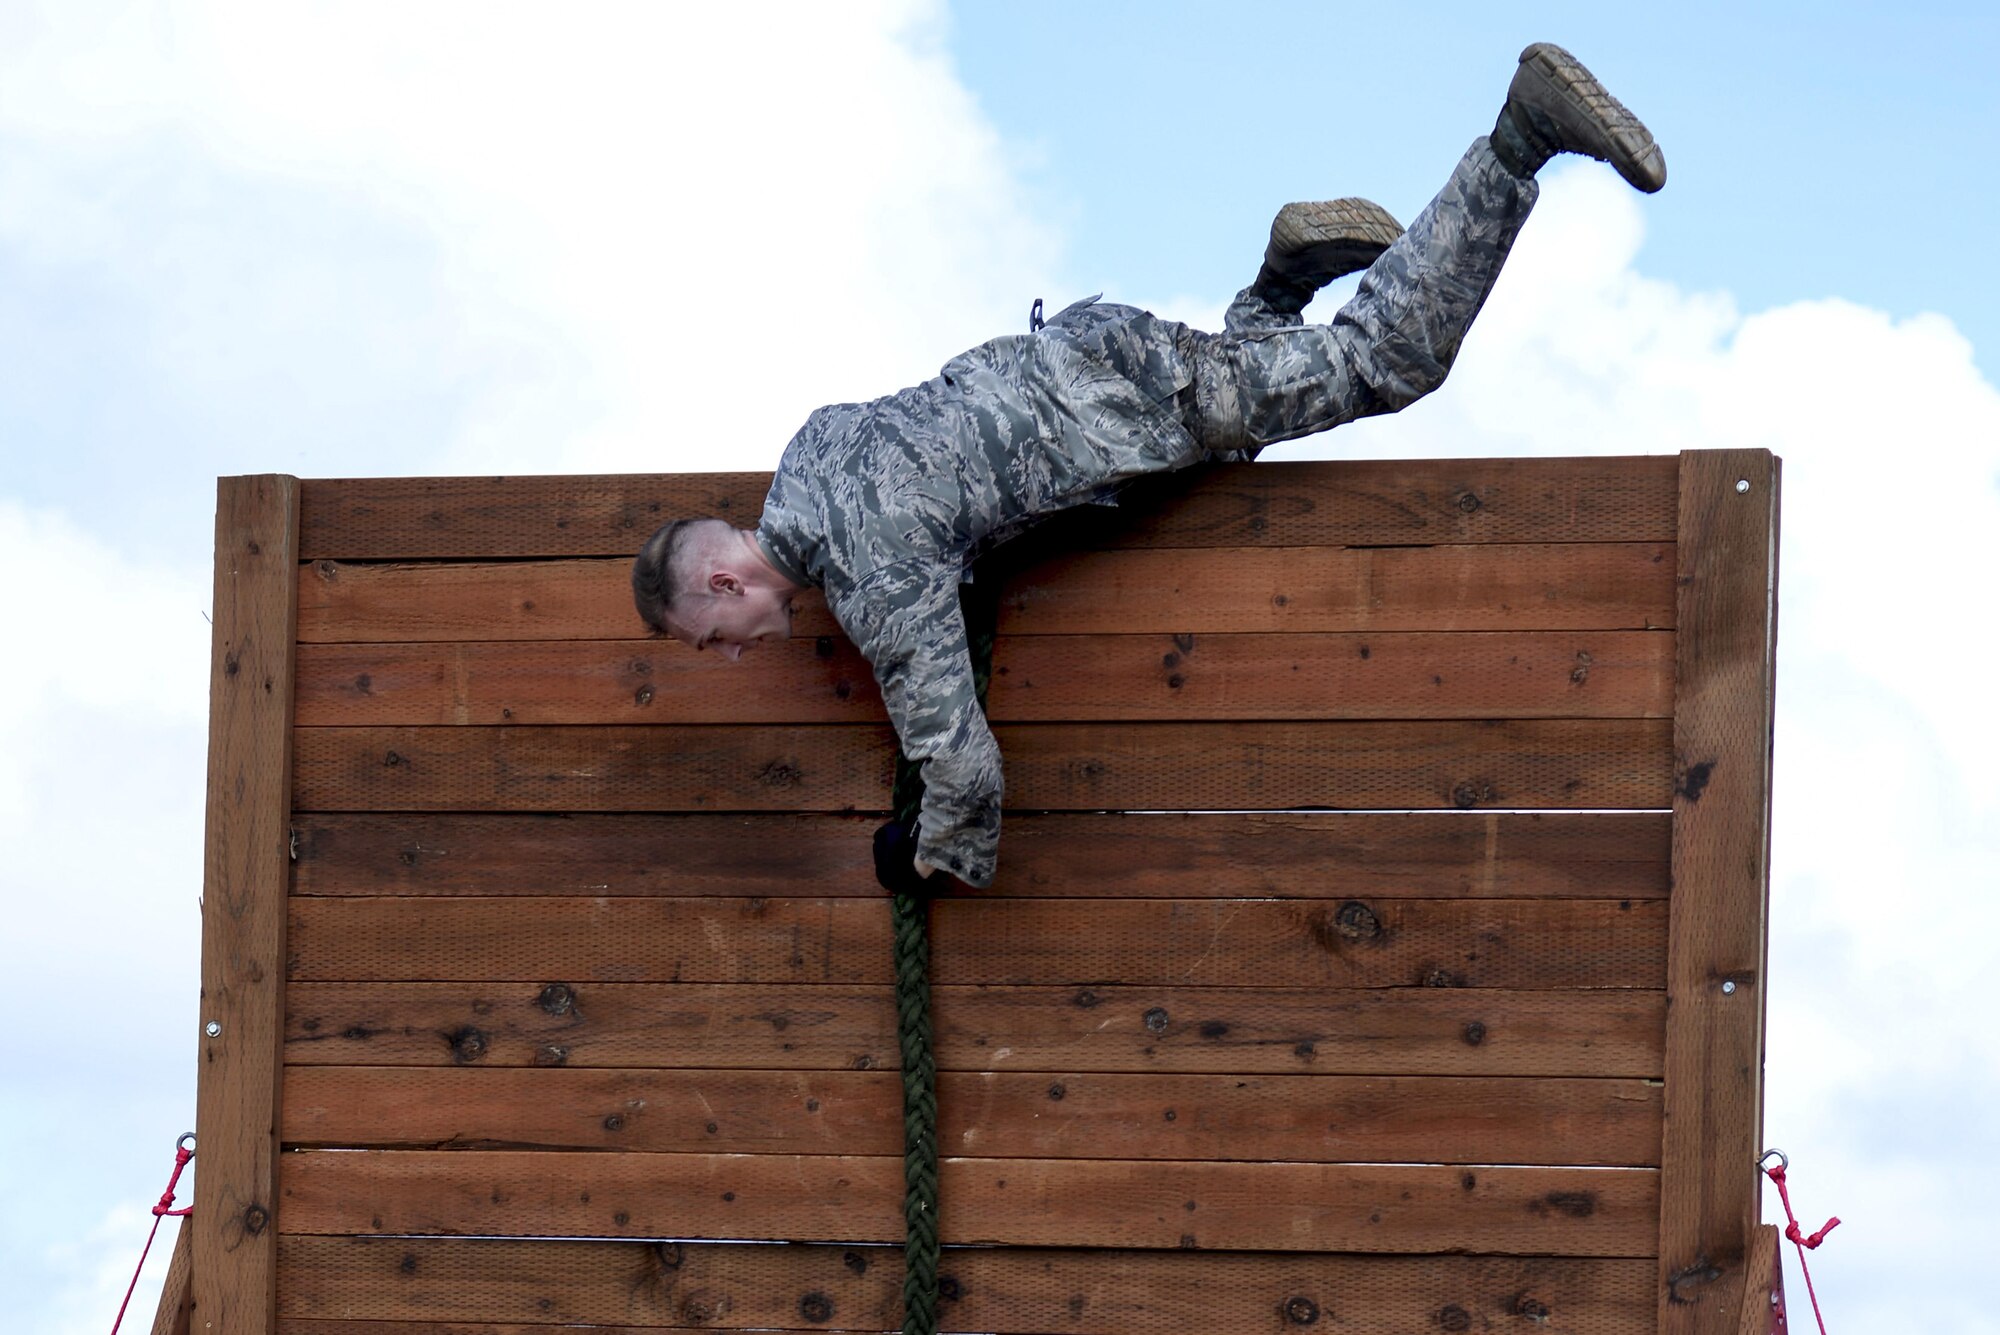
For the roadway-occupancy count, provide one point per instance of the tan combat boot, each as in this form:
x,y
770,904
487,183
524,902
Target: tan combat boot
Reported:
x,y
1555,105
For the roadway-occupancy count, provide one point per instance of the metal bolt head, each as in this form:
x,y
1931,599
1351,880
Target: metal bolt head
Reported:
x,y
213,1028
1742,485
1728,987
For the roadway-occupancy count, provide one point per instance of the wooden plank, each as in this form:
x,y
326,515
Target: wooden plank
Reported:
x,y
1293,590
243,895
172,1316
1008,1115
1347,502
985,1289
1510,943
1110,1027
1409,855
1763,1310
1375,1208
1037,678
1722,805
1526,763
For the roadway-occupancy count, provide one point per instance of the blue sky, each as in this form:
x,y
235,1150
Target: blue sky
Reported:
x,y
244,237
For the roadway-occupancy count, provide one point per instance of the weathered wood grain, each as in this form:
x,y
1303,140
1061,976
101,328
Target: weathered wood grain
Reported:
x,y
994,1115
1524,763
1722,830
1509,855
1307,1207
1086,1292
1507,943
243,899
1036,678
1294,590
1107,1027
1763,1310
1362,502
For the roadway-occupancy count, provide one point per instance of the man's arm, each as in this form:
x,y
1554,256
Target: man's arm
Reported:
x,y
905,619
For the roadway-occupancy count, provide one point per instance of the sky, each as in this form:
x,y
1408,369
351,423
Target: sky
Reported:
x,y
442,238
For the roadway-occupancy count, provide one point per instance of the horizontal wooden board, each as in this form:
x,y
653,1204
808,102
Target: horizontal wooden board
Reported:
x,y
1512,943
1003,1115
1308,1207
1350,501
1519,855
1530,763
1036,678
1090,1292
1525,586
1108,1027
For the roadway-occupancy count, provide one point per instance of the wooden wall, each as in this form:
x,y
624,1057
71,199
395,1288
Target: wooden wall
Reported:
x,y
1380,1018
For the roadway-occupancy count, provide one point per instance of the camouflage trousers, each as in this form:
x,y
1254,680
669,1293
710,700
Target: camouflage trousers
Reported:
x,y
1267,378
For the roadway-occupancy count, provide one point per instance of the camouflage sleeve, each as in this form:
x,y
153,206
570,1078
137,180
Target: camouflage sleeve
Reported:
x,y
905,619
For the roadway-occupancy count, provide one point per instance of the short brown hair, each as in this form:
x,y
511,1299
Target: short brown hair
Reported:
x,y
659,572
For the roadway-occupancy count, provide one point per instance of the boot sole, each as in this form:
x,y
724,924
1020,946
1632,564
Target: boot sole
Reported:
x,y
1556,83
1329,238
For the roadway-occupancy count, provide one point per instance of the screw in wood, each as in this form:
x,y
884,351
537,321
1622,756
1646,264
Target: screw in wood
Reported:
x,y
1742,485
213,1028
1728,987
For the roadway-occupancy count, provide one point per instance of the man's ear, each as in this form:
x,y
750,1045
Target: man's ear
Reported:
x,y
722,582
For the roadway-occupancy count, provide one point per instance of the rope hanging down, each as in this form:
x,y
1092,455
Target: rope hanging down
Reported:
x,y
979,604
162,1210
1800,1239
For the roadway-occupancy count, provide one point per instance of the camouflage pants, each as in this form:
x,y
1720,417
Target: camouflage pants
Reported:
x,y
1266,378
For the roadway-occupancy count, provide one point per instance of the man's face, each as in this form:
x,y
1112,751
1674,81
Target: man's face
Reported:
x,y
729,621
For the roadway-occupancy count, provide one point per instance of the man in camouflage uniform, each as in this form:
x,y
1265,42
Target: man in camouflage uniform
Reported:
x,y
884,504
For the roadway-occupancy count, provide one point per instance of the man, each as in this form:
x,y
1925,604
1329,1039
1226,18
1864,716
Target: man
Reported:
x,y
884,504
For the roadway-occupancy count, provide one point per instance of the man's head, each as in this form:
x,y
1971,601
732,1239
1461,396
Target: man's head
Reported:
x,y
708,584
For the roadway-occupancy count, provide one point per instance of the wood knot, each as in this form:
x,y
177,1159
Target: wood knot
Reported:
x,y
1357,922
1471,793
255,1219
467,1044
1453,1317
1534,1309
1475,1034
1057,1092
668,1255
1301,1311
1467,502
1684,1286
1156,1020
557,999
780,774
816,1307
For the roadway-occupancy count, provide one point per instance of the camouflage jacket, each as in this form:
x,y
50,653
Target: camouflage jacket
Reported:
x,y
885,504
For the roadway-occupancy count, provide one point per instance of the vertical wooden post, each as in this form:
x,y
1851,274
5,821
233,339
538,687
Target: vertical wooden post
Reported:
x,y
1728,587
247,863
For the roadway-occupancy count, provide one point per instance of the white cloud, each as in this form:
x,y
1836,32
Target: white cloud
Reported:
x,y
661,236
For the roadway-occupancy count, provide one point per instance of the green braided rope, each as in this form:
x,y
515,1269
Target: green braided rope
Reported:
x,y
979,604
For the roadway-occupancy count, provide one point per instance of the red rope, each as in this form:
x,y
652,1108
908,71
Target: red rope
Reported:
x,y
182,1156
1801,1240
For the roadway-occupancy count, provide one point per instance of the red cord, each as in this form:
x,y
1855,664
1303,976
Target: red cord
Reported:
x,y
1801,1240
182,1156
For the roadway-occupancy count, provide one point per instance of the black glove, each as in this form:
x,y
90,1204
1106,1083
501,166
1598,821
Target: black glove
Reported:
x,y
896,859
